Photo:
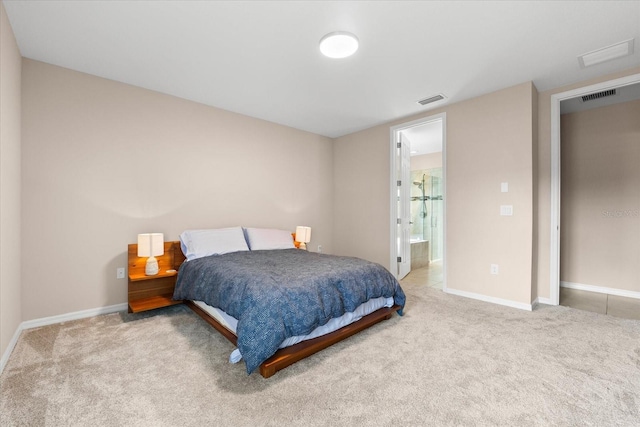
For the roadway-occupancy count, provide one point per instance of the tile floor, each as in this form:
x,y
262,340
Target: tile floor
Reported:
x,y
628,308
613,305
430,276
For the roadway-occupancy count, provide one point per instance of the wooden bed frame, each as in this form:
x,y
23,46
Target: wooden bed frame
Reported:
x,y
173,258
290,355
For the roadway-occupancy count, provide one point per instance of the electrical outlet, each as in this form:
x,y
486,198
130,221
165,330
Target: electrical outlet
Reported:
x,y
319,249
120,273
494,268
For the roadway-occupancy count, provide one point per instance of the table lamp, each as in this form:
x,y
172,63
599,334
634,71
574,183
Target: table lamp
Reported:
x,y
151,245
303,236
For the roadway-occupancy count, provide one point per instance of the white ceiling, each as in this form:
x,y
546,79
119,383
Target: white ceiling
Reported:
x,y
262,59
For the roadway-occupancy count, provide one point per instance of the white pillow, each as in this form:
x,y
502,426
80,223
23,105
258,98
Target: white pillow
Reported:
x,y
201,243
269,238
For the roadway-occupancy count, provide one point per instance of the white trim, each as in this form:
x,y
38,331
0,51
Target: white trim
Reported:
x,y
554,252
10,347
393,214
444,201
485,298
76,315
600,289
534,304
543,300
393,209
540,300
45,321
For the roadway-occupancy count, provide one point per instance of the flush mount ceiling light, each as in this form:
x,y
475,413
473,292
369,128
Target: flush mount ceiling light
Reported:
x,y
608,53
339,44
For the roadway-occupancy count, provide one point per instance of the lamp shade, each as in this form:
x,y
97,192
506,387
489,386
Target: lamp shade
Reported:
x,y
303,234
150,244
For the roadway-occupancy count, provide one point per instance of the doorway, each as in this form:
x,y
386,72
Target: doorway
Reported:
x,y
556,99
418,178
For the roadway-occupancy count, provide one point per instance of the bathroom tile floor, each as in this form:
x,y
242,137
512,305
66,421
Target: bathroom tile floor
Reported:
x,y
430,276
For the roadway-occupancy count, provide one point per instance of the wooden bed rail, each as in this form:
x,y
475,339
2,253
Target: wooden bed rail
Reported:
x,y
289,355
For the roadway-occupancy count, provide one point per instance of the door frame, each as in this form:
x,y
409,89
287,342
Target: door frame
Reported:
x,y
554,251
393,225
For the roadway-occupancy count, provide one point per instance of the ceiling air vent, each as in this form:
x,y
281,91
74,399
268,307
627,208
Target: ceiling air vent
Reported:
x,y
603,94
431,99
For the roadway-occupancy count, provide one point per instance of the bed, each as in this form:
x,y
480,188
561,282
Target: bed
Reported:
x,y
278,304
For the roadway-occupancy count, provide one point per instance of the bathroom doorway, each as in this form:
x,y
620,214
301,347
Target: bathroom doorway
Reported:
x,y
423,199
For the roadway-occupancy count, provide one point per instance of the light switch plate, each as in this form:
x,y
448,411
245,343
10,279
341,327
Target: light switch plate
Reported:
x,y
504,187
506,210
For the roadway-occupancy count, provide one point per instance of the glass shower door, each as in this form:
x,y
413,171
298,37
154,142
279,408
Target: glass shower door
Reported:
x,y
436,213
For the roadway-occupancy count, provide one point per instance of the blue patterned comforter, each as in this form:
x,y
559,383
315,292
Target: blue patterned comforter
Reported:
x,y
282,293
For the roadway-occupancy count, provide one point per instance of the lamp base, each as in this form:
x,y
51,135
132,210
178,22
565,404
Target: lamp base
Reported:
x,y
303,246
151,268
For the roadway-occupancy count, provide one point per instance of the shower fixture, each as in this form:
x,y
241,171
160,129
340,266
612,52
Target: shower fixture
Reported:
x,y
423,198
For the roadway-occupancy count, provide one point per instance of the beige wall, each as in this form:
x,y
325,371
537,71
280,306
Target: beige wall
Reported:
x,y
489,141
104,161
361,195
600,209
10,93
426,161
543,211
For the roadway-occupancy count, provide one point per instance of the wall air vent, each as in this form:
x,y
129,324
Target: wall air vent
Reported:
x,y
431,99
603,94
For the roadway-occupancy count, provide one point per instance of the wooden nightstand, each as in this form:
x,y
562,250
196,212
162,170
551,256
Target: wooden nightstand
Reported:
x,y
149,292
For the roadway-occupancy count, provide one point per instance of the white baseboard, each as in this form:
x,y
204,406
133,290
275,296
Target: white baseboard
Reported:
x,y
45,321
493,300
543,300
10,347
36,323
601,290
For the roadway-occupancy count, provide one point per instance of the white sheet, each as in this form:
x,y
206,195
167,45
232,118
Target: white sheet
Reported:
x,y
362,310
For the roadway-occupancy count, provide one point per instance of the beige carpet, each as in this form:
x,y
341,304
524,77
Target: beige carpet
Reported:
x,y
448,361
